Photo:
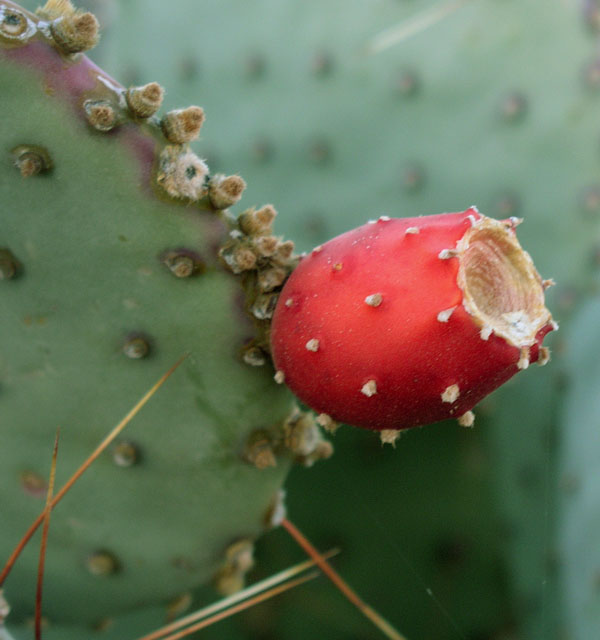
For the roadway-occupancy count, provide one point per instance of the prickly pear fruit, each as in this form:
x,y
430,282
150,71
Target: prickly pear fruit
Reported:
x,y
403,322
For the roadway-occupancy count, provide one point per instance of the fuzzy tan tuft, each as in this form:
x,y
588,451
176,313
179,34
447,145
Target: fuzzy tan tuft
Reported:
x,y
75,32
145,101
181,126
225,191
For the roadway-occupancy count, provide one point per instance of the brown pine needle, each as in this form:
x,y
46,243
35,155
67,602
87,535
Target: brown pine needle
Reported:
x,y
46,527
383,625
224,603
101,447
416,24
244,605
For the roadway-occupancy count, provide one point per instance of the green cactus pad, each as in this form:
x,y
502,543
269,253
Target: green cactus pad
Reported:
x,y
93,314
578,539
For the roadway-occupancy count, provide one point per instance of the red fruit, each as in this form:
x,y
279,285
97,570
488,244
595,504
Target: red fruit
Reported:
x,y
404,322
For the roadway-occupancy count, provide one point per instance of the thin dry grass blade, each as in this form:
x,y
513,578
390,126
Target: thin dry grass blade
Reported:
x,y
381,623
253,589
244,605
101,447
45,529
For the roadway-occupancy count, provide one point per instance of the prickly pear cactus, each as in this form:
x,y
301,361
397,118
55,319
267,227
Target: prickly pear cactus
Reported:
x,y
494,105
117,256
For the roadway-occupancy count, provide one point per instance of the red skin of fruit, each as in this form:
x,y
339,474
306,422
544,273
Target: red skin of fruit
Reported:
x,y
400,344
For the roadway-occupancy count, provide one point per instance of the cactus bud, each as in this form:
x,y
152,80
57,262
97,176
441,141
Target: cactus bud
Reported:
x,y
75,32
145,101
225,191
255,223
183,125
